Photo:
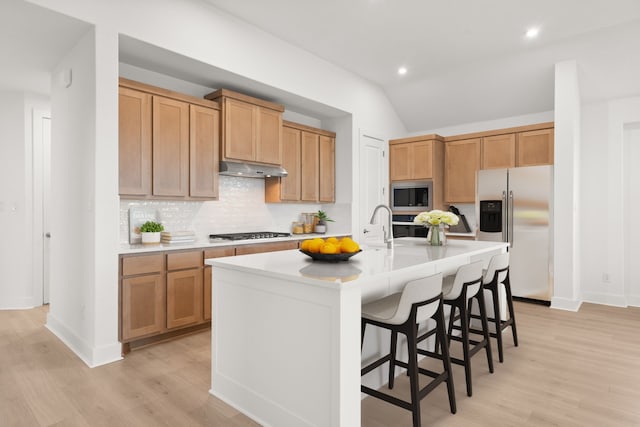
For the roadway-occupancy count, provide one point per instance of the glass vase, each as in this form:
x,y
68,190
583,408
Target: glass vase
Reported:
x,y
436,236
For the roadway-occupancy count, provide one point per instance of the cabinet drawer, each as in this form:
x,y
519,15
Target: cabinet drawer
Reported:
x,y
142,264
219,252
180,260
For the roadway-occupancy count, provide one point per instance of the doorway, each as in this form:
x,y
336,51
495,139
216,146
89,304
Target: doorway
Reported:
x,y
41,203
631,205
373,184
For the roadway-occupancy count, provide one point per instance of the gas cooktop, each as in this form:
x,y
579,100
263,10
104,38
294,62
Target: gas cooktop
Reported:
x,y
248,236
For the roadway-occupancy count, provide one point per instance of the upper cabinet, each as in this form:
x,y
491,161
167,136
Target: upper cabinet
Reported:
x,y
309,158
535,147
419,158
462,161
499,151
168,144
251,128
410,160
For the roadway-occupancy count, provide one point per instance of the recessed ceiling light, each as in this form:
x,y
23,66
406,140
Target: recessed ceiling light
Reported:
x,y
532,32
402,71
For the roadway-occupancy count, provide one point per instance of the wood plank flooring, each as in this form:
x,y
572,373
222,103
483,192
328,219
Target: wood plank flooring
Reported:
x,y
571,369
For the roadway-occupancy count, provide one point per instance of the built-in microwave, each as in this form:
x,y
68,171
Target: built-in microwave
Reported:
x,y
411,195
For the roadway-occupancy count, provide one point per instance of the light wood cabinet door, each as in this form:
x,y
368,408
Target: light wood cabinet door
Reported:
x,y
170,147
239,130
499,151
134,143
327,169
421,160
143,311
184,297
399,165
535,148
268,136
462,161
411,161
266,247
204,140
290,186
309,168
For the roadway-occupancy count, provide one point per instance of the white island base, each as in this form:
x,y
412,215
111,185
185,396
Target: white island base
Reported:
x,y
286,330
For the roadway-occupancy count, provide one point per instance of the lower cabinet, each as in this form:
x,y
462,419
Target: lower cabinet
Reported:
x,y
166,294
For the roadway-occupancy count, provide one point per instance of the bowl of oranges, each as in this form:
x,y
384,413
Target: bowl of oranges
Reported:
x,y
330,249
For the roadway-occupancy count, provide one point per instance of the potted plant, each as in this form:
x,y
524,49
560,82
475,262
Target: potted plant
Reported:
x,y
150,232
321,225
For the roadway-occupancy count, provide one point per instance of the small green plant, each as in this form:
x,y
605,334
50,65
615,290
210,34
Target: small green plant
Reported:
x,y
151,227
322,217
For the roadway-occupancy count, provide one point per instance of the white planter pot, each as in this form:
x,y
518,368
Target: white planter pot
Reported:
x,y
320,228
150,238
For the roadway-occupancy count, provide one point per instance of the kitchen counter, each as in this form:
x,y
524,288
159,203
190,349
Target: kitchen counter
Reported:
x,y
286,330
209,243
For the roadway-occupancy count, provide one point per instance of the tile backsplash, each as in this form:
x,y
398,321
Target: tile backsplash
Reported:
x,y
240,207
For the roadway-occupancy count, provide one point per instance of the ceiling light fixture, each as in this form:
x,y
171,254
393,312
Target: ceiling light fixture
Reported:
x,y
532,33
402,71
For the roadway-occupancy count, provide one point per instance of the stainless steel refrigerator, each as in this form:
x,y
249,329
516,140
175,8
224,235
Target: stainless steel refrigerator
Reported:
x,y
516,206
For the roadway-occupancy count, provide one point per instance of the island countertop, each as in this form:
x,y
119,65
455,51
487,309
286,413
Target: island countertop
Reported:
x,y
286,329
373,261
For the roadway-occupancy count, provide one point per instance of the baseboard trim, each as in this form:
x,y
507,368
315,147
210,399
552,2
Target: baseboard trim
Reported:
x,y
605,299
532,301
91,356
565,304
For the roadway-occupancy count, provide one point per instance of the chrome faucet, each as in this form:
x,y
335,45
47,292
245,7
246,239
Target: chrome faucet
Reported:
x,y
388,233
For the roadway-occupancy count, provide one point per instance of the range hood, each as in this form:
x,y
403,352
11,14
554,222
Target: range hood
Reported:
x,y
249,170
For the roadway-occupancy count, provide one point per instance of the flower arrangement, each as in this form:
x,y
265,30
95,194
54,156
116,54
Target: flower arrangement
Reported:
x,y
436,217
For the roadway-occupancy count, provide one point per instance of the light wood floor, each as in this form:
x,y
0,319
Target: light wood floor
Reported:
x,y
571,369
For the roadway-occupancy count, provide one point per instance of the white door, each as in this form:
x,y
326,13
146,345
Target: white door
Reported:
x,y
41,202
373,185
630,209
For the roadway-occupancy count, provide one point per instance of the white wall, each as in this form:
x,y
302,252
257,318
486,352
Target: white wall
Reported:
x,y
566,214
86,316
20,287
608,223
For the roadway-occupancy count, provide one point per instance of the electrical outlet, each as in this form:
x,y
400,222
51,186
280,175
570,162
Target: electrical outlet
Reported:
x,y
605,277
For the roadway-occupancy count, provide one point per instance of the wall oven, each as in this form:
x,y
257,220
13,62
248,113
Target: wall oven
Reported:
x,y
411,195
403,226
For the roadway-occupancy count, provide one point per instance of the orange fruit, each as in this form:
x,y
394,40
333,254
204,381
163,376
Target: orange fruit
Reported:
x,y
332,240
305,245
315,245
349,246
329,248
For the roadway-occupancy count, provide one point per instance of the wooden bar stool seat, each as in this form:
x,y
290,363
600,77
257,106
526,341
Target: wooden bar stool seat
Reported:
x,y
419,301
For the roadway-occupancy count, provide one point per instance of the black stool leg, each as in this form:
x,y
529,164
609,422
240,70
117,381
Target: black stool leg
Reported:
x,y
464,326
507,287
446,360
413,375
392,360
485,327
497,321
363,325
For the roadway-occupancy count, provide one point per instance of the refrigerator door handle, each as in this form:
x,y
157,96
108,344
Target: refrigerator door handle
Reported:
x,y
505,237
511,218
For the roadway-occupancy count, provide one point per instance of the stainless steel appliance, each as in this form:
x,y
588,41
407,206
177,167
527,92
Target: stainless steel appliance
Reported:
x,y
411,195
248,236
403,226
515,206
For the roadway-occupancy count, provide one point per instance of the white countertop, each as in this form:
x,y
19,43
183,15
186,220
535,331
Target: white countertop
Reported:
x,y
211,243
371,262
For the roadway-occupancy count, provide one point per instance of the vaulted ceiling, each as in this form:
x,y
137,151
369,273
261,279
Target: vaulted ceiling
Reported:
x,y
466,60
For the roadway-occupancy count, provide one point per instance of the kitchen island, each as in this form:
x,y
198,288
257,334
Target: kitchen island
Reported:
x,y
286,329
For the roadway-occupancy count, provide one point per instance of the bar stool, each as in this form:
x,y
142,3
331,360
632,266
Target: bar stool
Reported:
x,y
459,292
497,274
420,300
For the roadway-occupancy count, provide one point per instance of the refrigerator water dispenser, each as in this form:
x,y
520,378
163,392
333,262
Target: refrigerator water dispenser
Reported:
x,y
491,216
